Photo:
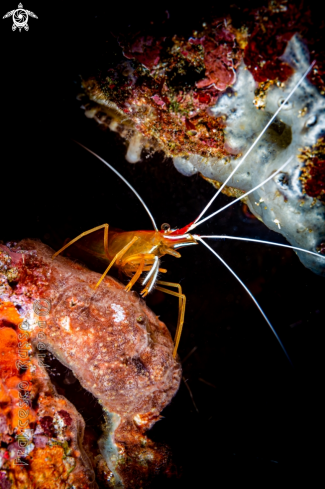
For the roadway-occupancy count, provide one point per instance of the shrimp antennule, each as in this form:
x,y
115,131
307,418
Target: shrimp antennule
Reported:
x,y
252,146
258,241
123,179
245,195
249,293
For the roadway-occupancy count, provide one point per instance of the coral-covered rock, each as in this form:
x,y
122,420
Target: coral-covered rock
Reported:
x,y
204,99
167,87
40,432
112,342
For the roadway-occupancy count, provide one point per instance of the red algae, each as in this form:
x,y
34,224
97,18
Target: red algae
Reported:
x,y
267,44
315,185
271,27
219,58
145,49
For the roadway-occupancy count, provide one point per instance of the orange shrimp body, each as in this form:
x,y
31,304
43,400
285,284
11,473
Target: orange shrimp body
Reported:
x,y
136,252
148,245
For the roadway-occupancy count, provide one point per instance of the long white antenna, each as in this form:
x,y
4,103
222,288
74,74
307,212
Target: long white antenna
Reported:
x,y
256,140
194,225
250,294
122,178
259,241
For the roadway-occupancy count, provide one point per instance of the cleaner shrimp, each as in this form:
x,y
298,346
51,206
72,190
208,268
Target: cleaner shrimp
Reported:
x,y
136,252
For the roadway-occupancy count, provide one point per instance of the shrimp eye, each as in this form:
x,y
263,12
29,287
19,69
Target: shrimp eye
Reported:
x,y
165,227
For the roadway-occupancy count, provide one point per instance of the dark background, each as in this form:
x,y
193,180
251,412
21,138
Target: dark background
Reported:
x,y
252,412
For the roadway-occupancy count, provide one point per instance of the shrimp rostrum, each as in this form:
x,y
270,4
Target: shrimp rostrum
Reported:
x,y
137,254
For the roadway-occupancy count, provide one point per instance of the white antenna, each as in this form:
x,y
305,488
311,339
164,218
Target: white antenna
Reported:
x,y
250,294
124,180
243,196
195,236
255,142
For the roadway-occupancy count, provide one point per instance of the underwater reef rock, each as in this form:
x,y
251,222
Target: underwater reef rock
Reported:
x,y
203,100
41,432
113,343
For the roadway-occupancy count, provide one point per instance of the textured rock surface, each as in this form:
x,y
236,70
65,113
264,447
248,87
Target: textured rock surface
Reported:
x,y
205,99
114,345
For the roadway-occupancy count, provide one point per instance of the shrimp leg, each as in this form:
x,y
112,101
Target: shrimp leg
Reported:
x,y
117,257
181,309
92,230
136,275
144,262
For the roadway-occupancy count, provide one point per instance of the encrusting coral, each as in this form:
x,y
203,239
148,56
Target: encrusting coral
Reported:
x,y
40,431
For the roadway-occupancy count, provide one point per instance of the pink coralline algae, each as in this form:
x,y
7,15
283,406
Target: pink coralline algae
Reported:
x,y
145,49
218,59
